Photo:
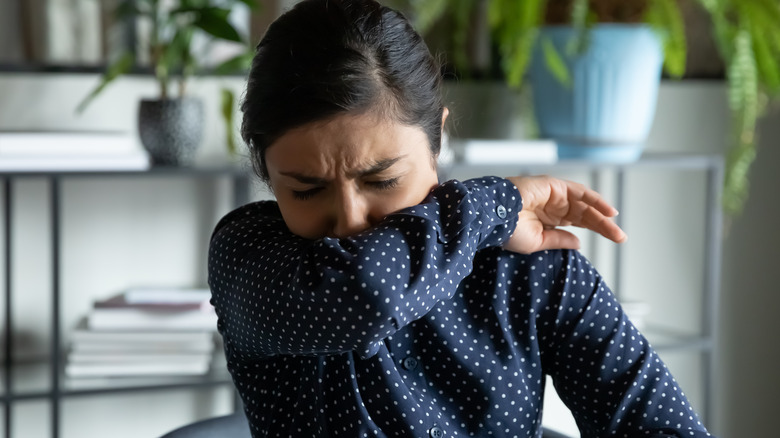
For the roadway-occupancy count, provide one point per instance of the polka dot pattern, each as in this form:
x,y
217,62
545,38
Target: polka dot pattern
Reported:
x,y
424,326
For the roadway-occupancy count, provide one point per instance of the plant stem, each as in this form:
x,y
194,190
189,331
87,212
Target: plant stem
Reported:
x,y
156,51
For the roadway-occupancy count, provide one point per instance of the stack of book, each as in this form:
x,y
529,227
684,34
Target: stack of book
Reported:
x,y
70,151
145,332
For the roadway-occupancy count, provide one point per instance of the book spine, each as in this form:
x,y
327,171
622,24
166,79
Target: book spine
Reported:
x,y
127,319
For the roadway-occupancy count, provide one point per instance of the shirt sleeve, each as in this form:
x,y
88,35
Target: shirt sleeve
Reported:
x,y
277,293
602,367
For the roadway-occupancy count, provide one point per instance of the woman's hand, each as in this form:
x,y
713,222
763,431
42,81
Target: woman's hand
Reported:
x,y
549,203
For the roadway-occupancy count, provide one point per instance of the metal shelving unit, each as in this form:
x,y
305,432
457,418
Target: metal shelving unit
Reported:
x,y
22,382
59,387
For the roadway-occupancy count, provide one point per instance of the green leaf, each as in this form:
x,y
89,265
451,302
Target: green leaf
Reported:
x,y
519,57
239,63
515,25
214,21
743,83
532,13
761,18
116,69
173,54
767,11
766,61
228,100
744,104
723,30
736,185
555,63
427,13
665,17
580,23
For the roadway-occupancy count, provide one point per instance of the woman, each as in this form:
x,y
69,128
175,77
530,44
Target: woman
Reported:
x,y
371,300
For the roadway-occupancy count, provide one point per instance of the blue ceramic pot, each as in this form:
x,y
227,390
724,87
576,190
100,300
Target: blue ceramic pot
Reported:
x,y
606,113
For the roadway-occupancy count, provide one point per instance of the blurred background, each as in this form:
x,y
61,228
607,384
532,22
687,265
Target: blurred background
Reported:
x,y
118,231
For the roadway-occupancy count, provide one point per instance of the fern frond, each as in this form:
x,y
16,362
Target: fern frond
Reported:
x,y
723,30
744,104
664,17
515,26
743,85
766,61
762,18
736,185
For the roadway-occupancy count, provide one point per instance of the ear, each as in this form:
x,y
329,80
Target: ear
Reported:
x,y
445,112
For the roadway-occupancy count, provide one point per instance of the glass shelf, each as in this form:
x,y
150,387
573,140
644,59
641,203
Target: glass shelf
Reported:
x,y
647,161
663,339
32,380
193,171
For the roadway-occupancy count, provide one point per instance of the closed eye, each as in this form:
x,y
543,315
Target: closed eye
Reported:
x,y
306,194
384,184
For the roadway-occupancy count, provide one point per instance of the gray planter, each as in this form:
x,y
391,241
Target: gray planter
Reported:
x,y
171,130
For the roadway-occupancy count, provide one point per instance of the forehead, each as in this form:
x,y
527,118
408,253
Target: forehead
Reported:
x,y
347,141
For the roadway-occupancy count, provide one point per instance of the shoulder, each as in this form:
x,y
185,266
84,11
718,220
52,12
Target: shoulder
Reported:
x,y
265,214
258,225
539,272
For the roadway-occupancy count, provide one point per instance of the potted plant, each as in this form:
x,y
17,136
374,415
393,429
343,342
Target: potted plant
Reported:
x,y
595,69
746,33
573,55
170,125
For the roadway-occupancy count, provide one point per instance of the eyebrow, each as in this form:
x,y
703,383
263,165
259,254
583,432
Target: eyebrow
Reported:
x,y
375,168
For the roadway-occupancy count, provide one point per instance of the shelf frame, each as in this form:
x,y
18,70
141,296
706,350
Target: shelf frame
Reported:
x,y
705,344
241,186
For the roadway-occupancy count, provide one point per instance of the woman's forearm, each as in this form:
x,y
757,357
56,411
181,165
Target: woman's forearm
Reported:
x,y
350,294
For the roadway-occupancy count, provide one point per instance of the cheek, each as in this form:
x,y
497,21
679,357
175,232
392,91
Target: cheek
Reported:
x,y
303,219
409,195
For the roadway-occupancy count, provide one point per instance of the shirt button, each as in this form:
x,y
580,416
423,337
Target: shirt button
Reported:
x,y
436,432
409,363
501,211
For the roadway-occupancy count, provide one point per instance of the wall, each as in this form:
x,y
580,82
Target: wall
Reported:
x,y
691,117
751,300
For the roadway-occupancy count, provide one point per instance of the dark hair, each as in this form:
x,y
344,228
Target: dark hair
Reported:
x,y
326,57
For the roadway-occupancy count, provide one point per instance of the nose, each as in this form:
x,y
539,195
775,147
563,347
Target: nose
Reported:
x,y
351,216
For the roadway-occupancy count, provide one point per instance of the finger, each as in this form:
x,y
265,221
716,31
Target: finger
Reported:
x,y
594,220
568,200
557,238
579,192
595,200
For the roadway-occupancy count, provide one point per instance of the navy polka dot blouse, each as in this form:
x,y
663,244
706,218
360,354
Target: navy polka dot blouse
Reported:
x,y
424,327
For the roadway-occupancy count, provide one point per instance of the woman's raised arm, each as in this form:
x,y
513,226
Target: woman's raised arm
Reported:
x,y
277,293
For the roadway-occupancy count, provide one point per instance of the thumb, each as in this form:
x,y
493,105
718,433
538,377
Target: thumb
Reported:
x,y
559,239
